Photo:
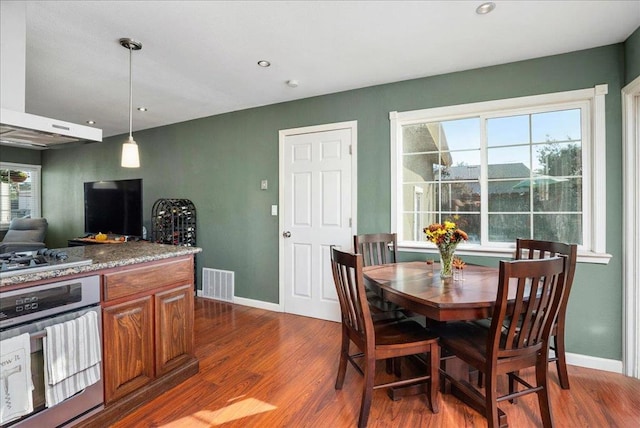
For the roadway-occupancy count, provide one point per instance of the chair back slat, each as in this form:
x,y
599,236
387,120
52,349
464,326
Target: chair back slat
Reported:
x,y
349,281
536,249
523,325
376,248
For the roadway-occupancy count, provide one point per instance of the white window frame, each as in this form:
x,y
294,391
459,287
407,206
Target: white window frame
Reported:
x,y
591,100
36,186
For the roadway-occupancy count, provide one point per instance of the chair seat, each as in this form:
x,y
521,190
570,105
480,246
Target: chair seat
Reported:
x,y
402,332
466,338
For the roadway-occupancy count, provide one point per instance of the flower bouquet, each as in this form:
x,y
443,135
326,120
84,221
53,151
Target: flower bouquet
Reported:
x,y
446,236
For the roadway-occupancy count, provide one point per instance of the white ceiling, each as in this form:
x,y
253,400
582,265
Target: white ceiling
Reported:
x,y
199,58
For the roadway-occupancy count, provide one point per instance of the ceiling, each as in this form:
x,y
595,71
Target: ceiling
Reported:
x,y
200,58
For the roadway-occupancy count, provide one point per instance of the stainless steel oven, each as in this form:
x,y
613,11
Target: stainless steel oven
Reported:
x,y
32,309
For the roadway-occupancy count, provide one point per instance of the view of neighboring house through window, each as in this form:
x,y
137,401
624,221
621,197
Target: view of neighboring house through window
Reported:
x,y
501,170
19,192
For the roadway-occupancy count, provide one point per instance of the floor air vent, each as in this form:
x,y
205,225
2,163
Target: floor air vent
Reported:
x,y
218,284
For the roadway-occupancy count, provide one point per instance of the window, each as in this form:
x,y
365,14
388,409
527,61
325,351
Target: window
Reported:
x,y
530,167
19,192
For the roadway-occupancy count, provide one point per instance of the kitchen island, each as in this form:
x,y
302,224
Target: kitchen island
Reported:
x,y
146,299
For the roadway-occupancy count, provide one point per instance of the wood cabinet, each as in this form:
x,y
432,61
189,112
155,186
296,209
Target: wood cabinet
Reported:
x,y
174,328
128,342
148,324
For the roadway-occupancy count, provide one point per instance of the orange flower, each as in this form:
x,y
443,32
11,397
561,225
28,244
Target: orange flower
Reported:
x,y
458,263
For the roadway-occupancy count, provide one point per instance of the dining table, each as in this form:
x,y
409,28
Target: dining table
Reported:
x,y
417,287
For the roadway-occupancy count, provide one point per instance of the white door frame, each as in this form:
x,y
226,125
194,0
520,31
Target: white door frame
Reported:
x,y
631,228
283,134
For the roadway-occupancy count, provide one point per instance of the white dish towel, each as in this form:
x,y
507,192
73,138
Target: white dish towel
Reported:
x,y
71,357
16,399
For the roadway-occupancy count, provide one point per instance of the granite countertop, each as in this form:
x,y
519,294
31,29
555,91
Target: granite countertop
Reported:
x,y
105,256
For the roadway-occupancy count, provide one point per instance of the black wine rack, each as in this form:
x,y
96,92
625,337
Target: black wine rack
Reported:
x,y
173,222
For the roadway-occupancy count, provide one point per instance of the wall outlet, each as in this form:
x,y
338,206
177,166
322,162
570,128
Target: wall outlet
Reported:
x,y
264,185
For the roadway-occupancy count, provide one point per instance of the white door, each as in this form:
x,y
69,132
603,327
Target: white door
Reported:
x,y
318,205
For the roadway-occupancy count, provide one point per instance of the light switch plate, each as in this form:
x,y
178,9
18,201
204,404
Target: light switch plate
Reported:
x,y
264,185
274,210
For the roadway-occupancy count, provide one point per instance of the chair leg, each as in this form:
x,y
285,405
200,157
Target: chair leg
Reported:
x,y
561,362
491,397
367,391
344,355
543,395
512,386
434,381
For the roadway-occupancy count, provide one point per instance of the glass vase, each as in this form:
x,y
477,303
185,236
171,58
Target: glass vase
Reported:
x,y
446,260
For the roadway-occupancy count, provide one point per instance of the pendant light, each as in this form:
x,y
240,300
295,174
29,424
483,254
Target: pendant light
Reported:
x,y
130,156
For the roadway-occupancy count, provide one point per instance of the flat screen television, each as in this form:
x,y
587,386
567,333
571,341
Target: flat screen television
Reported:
x,y
113,207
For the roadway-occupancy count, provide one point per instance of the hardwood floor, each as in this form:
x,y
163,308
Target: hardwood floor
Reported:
x,y
268,369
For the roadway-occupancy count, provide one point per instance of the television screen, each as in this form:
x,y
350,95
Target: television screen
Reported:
x,y
113,207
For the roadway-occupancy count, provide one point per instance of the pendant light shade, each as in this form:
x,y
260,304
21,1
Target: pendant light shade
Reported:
x,y
130,155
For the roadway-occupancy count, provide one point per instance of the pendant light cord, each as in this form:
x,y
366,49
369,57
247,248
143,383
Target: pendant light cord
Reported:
x,y
130,95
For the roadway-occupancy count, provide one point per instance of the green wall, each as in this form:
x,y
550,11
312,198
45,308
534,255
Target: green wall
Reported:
x,y
218,163
19,155
632,56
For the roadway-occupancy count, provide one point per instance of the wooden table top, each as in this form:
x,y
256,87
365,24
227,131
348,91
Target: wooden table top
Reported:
x,y
414,286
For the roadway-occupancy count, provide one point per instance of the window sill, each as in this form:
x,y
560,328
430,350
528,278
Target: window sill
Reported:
x,y
497,252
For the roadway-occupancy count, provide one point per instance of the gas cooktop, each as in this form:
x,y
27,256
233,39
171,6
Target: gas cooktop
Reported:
x,y
15,263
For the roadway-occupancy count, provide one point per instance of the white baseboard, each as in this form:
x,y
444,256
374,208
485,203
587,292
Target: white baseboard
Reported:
x,y
579,360
257,304
597,363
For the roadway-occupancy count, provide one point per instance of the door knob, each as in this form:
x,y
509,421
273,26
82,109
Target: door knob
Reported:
x,y
286,234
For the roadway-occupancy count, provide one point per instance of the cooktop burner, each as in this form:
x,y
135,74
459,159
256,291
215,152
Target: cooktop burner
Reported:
x,y
14,263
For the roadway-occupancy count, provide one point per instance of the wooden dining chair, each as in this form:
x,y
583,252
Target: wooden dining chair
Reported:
x,y
378,249
535,249
518,337
377,341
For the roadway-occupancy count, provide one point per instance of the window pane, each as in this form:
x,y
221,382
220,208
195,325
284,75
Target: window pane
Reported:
x,y
420,138
15,194
508,131
419,167
509,162
563,195
420,197
414,223
460,196
508,227
505,196
558,159
461,134
561,125
558,227
470,223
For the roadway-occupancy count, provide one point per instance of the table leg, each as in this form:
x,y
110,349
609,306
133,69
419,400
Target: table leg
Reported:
x,y
455,380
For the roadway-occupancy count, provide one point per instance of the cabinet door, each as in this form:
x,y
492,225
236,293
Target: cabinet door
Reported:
x,y
128,347
174,328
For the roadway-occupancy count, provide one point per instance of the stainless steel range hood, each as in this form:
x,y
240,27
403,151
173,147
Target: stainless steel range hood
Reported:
x,y
18,128
37,132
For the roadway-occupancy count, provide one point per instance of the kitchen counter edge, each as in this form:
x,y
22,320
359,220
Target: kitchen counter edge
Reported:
x,y
105,256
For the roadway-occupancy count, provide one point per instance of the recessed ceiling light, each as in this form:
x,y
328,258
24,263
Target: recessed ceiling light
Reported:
x,y
485,8
142,108
264,63
292,83
91,122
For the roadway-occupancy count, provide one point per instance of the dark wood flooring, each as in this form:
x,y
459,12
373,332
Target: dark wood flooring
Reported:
x,y
266,369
